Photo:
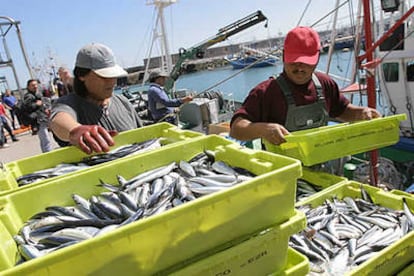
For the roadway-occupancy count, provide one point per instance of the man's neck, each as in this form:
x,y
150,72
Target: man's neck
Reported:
x,y
104,102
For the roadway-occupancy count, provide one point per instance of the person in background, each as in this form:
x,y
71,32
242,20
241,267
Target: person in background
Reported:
x,y
299,98
3,144
38,109
161,107
5,124
65,82
10,101
93,114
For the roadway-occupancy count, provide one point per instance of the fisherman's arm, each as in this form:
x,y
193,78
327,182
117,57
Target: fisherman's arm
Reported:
x,y
89,138
61,125
357,113
163,98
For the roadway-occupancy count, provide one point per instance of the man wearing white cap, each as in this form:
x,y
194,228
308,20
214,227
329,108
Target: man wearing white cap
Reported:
x,y
297,99
161,107
92,115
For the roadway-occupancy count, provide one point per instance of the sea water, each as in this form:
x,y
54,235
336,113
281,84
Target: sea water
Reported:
x,y
236,84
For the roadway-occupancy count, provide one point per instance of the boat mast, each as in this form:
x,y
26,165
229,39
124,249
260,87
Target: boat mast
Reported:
x,y
4,29
333,36
370,79
160,34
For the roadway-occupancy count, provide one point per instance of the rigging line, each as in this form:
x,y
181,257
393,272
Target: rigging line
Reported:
x,y
352,17
303,13
329,13
172,26
352,23
147,37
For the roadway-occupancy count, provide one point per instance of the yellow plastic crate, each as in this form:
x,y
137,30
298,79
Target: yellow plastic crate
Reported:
x,y
402,193
168,133
407,271
318,145
163,240
262,253
297,265
391,259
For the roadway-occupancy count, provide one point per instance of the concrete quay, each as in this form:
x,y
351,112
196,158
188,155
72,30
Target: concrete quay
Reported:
x,y
27,146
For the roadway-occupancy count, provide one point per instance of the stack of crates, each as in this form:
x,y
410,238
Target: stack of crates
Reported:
x,y
262,253
248,224
167,133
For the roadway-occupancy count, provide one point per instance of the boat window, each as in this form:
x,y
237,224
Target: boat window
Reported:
x,y
410,70
390,71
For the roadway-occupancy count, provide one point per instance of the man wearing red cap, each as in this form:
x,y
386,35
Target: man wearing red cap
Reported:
x,y
297,99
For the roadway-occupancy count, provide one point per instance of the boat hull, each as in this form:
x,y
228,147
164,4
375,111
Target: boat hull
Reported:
x,y
253,62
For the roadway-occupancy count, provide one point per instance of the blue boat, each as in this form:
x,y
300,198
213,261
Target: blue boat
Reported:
x,y
252,61
341,43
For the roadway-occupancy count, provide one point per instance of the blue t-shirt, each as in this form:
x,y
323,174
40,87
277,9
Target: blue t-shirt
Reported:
x,y
9,100
159,104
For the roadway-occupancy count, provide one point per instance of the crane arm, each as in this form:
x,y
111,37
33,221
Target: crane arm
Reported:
x,y
198,50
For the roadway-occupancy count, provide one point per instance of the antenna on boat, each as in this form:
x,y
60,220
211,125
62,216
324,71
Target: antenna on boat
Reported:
x,y
160,34
4,29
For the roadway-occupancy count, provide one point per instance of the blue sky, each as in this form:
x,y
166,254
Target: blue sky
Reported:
x,y
59,28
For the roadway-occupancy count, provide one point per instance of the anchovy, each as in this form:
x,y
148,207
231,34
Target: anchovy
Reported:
x,y
187,168
209,182
204,190
29,252
222,167
148,176
408,213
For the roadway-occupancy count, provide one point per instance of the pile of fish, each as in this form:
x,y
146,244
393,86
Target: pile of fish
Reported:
x,y
144,195
86,162
342,234
305,189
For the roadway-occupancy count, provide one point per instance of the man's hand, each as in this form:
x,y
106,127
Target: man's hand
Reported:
x,y
187,99
92,138
275,133
369,113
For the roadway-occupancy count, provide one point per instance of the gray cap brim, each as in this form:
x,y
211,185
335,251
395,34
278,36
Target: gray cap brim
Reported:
x,y
111,72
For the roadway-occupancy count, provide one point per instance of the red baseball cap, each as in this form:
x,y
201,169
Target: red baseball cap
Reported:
x,y
302,44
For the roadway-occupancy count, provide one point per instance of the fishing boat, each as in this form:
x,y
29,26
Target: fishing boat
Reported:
x,y
340,44
384,71
253,61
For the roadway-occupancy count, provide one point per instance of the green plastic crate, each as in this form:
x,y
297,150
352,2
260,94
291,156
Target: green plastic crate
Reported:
x,y
297,265
318,145
168,133
391,259
161,241
259,254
